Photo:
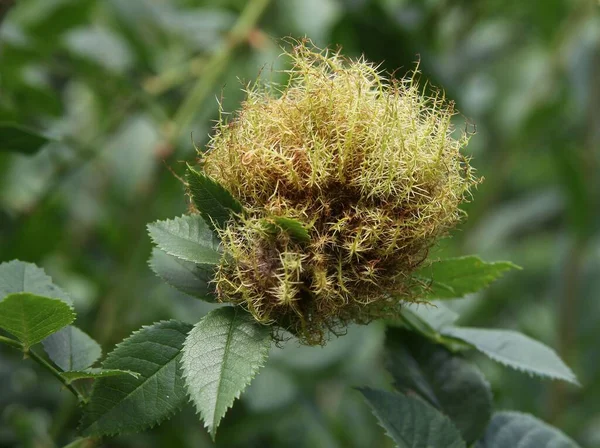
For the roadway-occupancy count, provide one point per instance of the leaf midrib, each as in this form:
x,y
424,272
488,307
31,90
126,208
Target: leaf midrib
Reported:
x,y
222,369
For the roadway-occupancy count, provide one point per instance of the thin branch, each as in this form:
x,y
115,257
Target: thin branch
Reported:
x,y
45,364
215,66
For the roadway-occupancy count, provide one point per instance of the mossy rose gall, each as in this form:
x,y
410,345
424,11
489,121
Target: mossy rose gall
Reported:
x,y
368,165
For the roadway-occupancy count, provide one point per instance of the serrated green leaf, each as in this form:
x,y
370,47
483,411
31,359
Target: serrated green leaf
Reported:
x,y
291,226
126,404
95,374
17,138
215,204
221,356
32,318
518,430
72,349
515,350
188,277
411,422
447,382
19,276
188,238
456,277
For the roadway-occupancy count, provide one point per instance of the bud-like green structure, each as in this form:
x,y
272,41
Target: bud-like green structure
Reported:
x,y
367,165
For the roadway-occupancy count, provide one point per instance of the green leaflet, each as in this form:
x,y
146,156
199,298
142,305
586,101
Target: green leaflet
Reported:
x,y
515,350
191,278
188,238
128,404
447,382
17,138
518,430
72,349
221,356
507,347
455,277
32,318
95,374
213,201
293,228
19,276
411,422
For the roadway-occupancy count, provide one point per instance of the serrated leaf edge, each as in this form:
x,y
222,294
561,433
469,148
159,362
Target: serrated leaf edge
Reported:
x,y
380,423
518,367
204,215
255,368
70,306
184,218
136,428
45,273
150,265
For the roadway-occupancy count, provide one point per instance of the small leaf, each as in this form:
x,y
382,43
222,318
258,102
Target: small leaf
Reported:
x,y
95,374
435,315
32,318
18,276
17,138
411,422
212,200
221,356
188,238
190,278
294,228
517,430
127,404
455,277
449,383
515,350
72,349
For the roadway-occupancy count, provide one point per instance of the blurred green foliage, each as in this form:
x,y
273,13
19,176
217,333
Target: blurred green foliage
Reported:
x,y
105,80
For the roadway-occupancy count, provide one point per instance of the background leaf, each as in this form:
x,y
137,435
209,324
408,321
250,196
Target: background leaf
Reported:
x,y
188,238
411,422
221,356
127,404
17,138
32,318
19,276
72,349
435,315
212,200
190,278
448,382
515,350
456,277
518,430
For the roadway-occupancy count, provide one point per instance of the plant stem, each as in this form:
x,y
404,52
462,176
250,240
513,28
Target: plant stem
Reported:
x,y
11,342
45,364
41,361
215,66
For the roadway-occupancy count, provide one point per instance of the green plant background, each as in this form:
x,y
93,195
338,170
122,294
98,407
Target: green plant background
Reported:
x,y
127,87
